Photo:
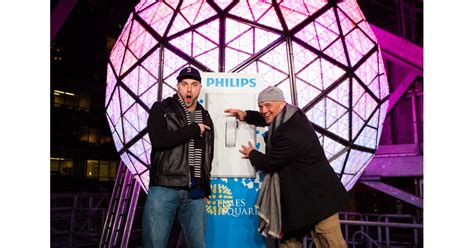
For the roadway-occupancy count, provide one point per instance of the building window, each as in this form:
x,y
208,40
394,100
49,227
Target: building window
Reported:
x,y
92,168
102,169
71,100
90,135
61,166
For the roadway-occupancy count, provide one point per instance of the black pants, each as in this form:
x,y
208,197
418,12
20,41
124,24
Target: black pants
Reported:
x,y
272,242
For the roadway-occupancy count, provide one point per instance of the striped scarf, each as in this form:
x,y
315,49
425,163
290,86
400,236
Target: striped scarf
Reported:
x,y
195,149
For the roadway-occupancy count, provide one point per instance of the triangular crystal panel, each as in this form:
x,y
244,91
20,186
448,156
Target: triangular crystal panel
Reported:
x,y
301,56
144,4
292,17
341,93
242,10
277,57
118,143
367,138
270,19
143,43
341,127
357,124
191,11
352,10
313,6
312,74
152,63
244,42
223,3
178,24
113,110
129,130
285,87
329,21
116,56
129,60
356,161
184,43
150,96
201,45
368,70
205,12
210,31
126,159
365,106
346,24
209,58
331,147
167,91
111,82
271,76
158,17
358,44
233,58
338,162
331,73
125,100
317,114
305,93
264,38
258,8
336,51
171,65
131,80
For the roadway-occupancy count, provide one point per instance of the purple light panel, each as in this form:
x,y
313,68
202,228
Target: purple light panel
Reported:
x,y
323,56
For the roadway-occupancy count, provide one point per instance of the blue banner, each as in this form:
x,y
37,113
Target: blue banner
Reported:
x,y
232,217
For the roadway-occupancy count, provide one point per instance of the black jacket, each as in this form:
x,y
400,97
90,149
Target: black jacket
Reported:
x,y
310,190
169,136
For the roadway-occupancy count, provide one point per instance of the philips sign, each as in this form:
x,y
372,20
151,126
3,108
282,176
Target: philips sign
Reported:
x,y
234,82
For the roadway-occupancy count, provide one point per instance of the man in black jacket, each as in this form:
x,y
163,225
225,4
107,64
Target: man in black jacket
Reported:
x,y
181,135
311,194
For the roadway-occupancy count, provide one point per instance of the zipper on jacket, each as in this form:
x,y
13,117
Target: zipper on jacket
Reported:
x,y
189,177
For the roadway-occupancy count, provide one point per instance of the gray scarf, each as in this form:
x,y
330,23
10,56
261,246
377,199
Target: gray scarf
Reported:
x,y
268,201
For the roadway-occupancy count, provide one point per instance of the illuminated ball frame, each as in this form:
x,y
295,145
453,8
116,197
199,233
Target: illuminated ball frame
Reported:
x,y
324,57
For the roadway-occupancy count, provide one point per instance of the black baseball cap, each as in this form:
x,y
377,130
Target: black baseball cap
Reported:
x,y
189,72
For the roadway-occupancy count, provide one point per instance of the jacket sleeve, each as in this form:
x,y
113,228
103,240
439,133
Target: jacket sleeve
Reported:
x,y
161,138
283,150
255,118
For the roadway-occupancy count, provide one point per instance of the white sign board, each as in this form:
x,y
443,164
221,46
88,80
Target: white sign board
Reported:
x,y
231,90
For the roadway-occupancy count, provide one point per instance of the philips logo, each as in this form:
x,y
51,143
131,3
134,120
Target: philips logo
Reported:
x,y
231,82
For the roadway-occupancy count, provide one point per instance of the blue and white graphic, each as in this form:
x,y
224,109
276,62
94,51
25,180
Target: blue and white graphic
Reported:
x,y
232,216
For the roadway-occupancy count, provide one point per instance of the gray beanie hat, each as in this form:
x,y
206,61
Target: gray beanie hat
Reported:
x,y
271,94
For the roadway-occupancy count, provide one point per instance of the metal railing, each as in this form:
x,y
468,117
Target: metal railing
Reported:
x,y
377,230
77,220
387,230
365,236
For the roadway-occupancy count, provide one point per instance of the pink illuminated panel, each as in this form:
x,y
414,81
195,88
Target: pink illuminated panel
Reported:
x,y
329,65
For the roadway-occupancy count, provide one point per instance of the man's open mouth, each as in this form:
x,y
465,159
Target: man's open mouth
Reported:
x,y
189,99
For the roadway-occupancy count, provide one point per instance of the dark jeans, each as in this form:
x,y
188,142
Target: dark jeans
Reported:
x,y
161,206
